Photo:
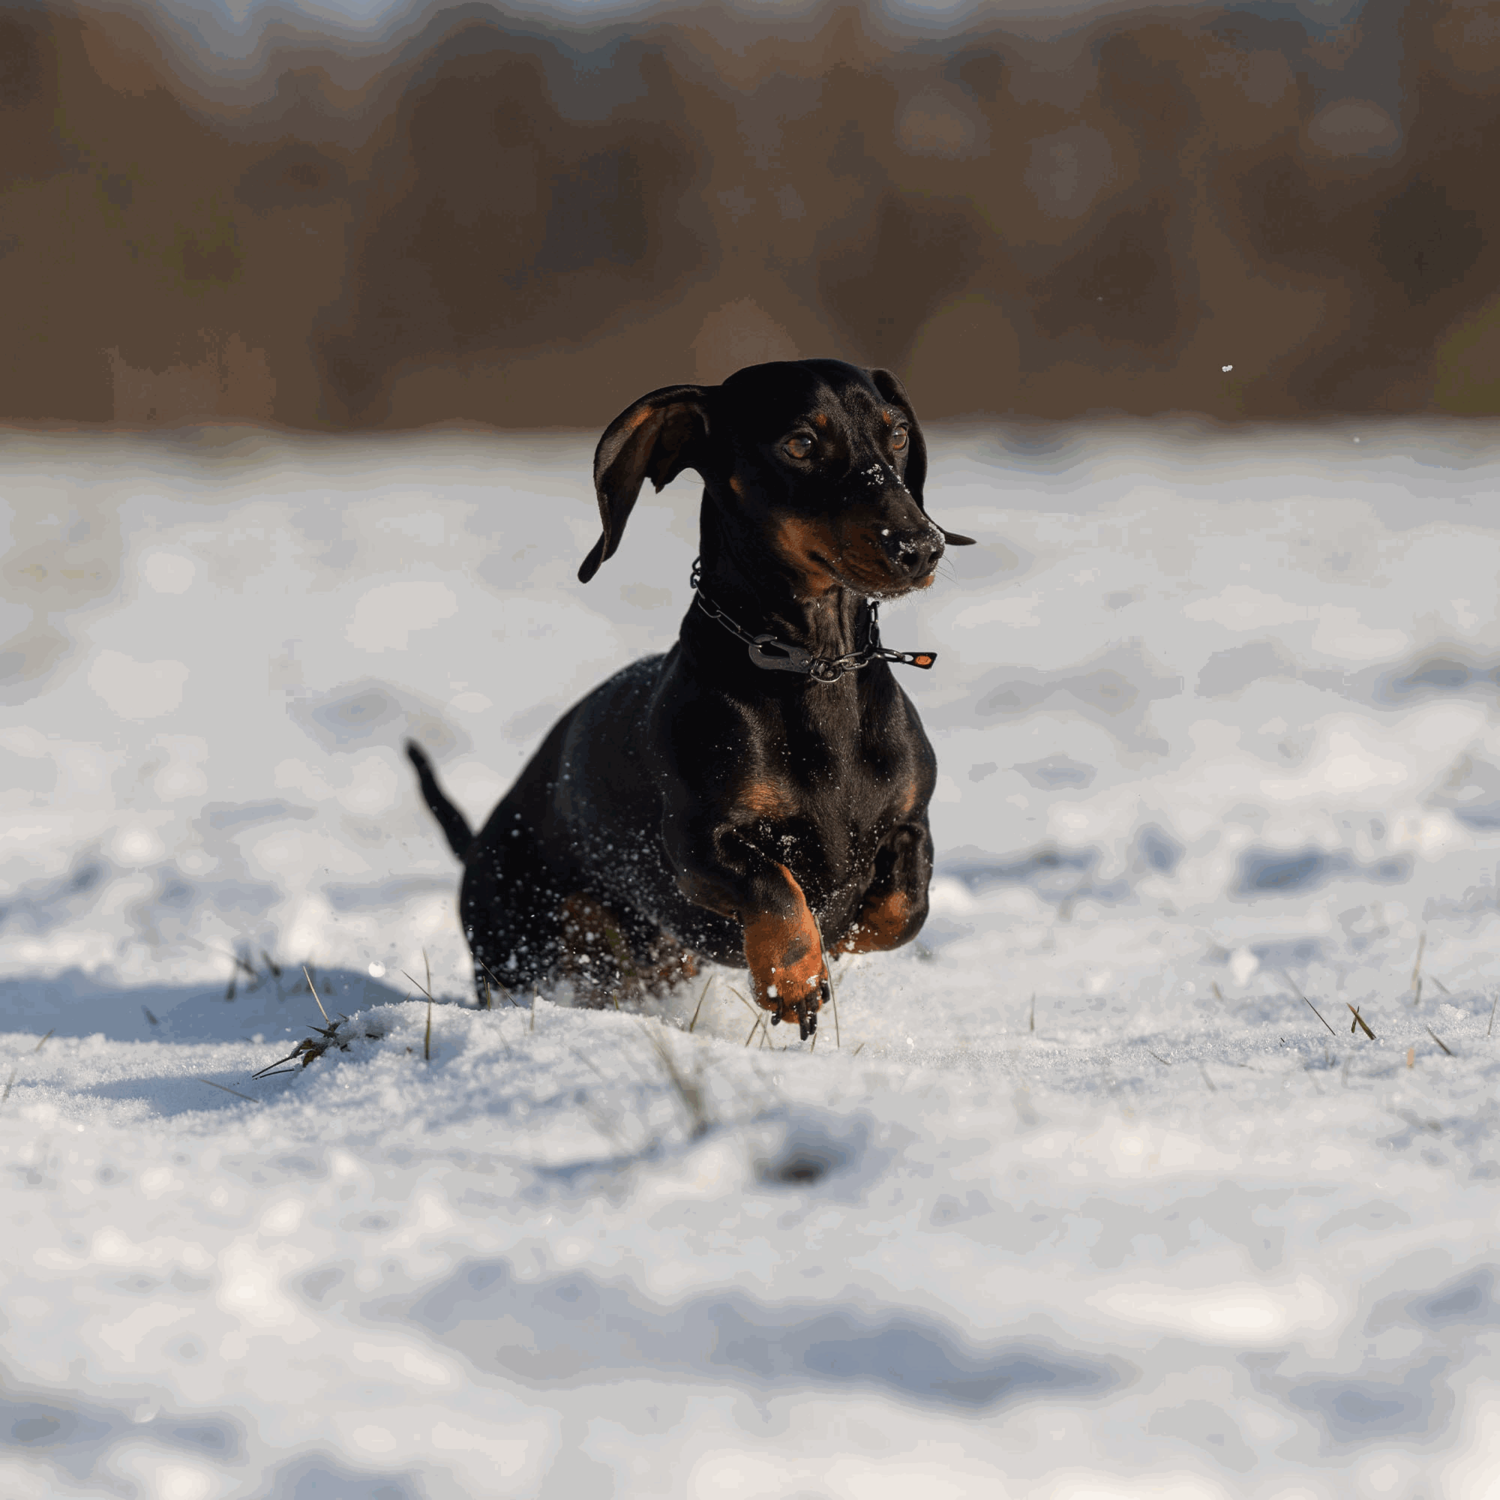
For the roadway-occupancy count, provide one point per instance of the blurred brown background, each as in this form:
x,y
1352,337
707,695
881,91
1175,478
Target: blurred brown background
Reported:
x,y
506,219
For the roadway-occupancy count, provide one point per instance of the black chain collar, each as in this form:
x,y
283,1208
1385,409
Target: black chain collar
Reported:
x,y
777,656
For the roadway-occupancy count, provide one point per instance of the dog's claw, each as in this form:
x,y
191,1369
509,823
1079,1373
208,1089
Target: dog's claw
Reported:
x,y
803,1012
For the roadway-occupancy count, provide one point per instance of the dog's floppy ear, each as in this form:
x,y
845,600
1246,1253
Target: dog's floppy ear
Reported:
x,y
916,456
660,435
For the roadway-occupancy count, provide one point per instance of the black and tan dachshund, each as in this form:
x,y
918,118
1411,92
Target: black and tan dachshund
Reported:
x,y
758,795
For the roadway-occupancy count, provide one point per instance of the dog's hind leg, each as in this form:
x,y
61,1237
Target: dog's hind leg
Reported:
x,y
512,914
506,907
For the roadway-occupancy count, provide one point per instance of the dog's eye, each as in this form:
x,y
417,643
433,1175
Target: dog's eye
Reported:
x,y
898,436
799,446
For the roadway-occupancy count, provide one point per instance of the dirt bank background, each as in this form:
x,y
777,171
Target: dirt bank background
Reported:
x,y
515,220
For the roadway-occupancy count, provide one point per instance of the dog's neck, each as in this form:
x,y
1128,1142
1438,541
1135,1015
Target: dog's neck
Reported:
x,y
769,599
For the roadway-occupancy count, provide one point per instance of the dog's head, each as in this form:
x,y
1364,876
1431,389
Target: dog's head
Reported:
x,y
813,466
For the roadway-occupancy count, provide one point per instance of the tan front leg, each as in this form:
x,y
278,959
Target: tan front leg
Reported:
x,y
785,956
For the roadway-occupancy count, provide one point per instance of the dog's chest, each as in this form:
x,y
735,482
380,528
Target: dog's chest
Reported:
x,y
823,806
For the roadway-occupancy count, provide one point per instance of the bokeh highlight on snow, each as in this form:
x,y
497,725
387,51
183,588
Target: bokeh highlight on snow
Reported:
x,y
1093,1191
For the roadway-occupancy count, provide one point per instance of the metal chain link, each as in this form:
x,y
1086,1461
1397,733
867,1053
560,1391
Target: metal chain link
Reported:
x,y
777,656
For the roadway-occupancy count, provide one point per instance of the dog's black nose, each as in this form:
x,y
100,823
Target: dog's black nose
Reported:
x,y
915,552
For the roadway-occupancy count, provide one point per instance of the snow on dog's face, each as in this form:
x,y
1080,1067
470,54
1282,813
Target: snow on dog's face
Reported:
x,y
813,470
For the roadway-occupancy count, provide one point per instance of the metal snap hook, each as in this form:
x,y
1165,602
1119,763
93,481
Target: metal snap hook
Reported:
x,y
764,651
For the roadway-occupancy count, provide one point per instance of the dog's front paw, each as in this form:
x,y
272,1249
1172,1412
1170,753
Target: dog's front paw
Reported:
x,y
805,1012
789,988
787,972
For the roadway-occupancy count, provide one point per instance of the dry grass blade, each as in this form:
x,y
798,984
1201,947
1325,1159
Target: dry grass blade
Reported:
x,y
1209,1081
270,1069
1218,993
427,1040
1411,1057
149,1017
250,1098
308,977
743,1001
1308,1003
490,979
1441,1043
760,1018
1032,1025
693,1024
1359,1021
1161,1060
425,989
9,1084
1416,969
44,1041
832,998
689,1090
1496,1001
858,1050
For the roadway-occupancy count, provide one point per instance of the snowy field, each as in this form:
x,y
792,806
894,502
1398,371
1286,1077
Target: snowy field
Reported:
x,y
1093,1193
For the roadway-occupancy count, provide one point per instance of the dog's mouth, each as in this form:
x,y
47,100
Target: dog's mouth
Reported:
x,y
887,584
878,561
886,562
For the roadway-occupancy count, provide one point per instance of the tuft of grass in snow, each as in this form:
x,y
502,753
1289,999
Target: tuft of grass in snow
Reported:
x,y
332,1034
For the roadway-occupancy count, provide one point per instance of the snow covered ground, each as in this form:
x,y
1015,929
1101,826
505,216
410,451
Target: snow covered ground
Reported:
x,y
1092,1193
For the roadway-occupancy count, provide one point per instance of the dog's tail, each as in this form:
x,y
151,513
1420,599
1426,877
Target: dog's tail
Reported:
x,y
453,823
